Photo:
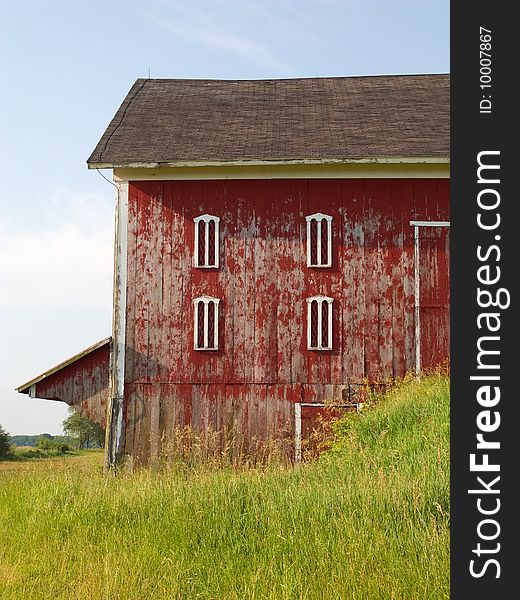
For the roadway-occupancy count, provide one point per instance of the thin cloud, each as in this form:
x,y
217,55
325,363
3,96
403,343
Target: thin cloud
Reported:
x,y
65,261
197,26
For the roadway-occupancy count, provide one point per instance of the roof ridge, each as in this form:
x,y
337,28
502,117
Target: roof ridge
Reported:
x,y
306,78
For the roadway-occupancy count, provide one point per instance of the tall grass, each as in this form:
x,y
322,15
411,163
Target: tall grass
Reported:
x,y
369,520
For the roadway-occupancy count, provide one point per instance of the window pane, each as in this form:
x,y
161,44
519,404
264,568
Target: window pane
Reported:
x,y
211,243
314,242
211,325
325,342
202,243
314,324
324,251
200,324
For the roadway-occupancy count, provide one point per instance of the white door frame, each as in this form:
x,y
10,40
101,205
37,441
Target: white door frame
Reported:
x,y
417,225
298,422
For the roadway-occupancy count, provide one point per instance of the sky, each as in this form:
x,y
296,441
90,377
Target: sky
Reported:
x,y
66,67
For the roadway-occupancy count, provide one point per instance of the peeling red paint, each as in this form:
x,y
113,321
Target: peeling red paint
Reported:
x,y
83,384
262,366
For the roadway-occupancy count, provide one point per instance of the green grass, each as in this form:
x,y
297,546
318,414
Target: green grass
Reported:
x,y
30,453
370,520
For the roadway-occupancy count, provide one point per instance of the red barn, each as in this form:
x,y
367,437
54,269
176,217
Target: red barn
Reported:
x,y
278,242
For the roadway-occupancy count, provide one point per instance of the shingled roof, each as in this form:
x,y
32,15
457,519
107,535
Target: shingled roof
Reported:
x,y
171,121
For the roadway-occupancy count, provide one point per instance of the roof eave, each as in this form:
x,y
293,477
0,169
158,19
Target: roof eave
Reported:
x,y
25,387
437,159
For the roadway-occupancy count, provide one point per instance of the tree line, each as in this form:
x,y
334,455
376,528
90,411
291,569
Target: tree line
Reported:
x,y
80,433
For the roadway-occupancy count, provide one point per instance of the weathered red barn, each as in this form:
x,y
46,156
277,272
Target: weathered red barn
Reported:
x,y
277,243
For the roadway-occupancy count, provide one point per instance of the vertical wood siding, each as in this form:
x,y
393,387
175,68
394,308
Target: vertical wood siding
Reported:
x,y
83,384
262,365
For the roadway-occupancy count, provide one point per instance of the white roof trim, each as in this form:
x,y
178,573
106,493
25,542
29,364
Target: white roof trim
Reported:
x,y
259,162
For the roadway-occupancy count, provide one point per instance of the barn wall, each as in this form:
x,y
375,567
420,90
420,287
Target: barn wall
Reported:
x,y
247,414
263,283
83,384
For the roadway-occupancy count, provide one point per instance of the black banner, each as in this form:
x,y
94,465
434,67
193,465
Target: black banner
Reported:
x,y
484,318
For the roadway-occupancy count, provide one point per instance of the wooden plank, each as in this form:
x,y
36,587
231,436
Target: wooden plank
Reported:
x,y
131,284
407,274
228,235
154,400
130,417
295,293
243,291
142,298
135,407
253,412
388,239
371,225
179,309
155,259
266,297
167,247
262,391
353,280
399,224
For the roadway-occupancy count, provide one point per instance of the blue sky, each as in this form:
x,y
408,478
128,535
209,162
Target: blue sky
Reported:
x,y
66,66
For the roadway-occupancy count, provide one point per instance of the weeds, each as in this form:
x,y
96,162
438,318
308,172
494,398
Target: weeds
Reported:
x,y
367,520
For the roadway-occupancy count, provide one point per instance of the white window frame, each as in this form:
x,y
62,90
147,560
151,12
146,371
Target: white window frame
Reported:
x,y
320,300
202,262
319,217
207,345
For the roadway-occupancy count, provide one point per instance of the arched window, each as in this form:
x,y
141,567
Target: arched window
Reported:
x,y
205,329
319,323
206,251
319,240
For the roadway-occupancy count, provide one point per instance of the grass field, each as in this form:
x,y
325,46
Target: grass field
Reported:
x,y
368,521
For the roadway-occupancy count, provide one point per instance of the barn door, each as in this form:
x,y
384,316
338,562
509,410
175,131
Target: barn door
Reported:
x,y
432,292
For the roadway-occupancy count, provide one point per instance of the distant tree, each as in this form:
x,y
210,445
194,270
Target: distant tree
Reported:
x,y
45,442
5,442
24,440
63,448
52,445
32,440
87,433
